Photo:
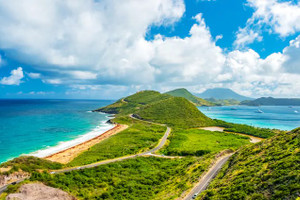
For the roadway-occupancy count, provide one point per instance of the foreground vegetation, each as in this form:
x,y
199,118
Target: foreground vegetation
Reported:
x,y
140,178
29,164
267,170
137,138
196,142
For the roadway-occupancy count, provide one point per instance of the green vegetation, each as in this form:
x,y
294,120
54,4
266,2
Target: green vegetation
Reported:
x,y
267,170
132,103
175,112
198,142
30,164
269,101
224,102
248,130
137,138
182,92
140,178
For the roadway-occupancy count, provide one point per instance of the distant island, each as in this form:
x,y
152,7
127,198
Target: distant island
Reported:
x,y
270,101
222,94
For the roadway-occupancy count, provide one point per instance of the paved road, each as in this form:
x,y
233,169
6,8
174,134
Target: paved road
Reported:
x,y
149,153
206,179
3,188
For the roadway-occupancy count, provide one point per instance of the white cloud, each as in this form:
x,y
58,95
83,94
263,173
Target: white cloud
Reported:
x,y
14,78
34,75
292,53
274,16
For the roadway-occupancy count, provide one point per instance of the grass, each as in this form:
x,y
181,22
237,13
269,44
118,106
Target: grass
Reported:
x,y
248,130
267,170
140,178
30,164
196,142
137,138
182,92
175,112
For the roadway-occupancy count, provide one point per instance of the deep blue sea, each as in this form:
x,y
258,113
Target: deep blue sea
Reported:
x,y
42,127
280,117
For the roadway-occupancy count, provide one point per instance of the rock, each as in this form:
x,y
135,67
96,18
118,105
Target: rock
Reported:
x,y
39,191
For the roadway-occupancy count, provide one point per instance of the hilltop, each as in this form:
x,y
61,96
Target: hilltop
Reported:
x,y
182,92
267,170
161,108
222,93
270,101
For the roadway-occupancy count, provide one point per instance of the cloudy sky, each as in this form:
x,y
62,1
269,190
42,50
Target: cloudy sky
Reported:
x,y
105,49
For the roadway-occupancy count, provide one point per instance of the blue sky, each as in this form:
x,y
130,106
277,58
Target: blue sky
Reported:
x,y
111,48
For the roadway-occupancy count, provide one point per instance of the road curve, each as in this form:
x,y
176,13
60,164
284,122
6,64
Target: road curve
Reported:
x,y
3,188
148,153
206,179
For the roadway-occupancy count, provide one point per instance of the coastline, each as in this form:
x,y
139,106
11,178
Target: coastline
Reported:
x,y
67,155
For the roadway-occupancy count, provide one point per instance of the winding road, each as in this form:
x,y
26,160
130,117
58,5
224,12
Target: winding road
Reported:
x,y
207,178
147,153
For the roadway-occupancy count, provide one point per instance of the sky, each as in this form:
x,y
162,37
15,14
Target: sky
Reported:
x,y
106,49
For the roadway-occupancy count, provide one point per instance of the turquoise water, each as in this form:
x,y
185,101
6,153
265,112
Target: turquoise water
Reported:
x,y
42,127
280,117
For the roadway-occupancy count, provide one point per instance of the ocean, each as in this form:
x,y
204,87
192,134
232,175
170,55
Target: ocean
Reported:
x,y
279,117
42,127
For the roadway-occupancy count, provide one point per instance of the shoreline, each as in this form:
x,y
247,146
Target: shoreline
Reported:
x,y
66,155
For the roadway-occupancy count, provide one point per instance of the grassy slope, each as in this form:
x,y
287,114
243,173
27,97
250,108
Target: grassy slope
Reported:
x,y
139,178
199,142
182,92
138,137
175,112
132,103
267,170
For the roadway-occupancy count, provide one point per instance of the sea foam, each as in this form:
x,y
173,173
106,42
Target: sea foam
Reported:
x,y
99,130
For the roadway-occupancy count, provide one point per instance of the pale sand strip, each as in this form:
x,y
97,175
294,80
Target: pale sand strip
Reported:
x,y
253,139
69,154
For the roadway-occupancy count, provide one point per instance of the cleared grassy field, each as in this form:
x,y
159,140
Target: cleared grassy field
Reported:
x,y
140,178
137,138
196,142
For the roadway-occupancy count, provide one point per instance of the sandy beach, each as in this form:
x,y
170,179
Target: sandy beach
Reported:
x,y
69,154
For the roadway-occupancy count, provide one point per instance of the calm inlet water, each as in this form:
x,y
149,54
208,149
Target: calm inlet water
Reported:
x,y
280,117
41,127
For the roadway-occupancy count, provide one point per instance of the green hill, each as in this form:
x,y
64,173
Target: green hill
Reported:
x,y
267,170
131,103
175,111
270,101
182,92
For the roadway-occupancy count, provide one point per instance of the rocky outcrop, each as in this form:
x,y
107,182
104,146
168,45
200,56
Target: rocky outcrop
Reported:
x,y
6,179
39,191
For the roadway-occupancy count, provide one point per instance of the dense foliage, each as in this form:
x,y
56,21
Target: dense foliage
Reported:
x,y
140,178
175,112
30,164
198,142
267,170
246,129
182,92
138,137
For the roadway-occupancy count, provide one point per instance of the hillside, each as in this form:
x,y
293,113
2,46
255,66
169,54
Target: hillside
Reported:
x,y
224,102
269,101
222,93
175,111
131,103
182,92
267,170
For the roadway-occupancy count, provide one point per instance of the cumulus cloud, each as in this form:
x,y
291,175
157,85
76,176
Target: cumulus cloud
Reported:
x,y
292,52
274,16
14,78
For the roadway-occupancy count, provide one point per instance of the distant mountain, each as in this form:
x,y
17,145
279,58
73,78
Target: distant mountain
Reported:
x,y
222,93
270,101
182,92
